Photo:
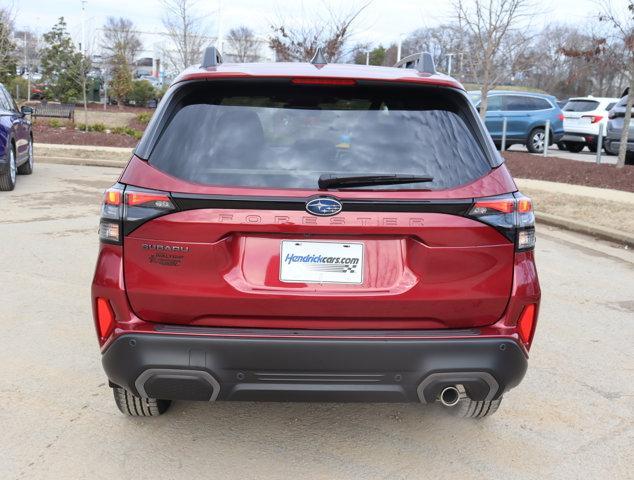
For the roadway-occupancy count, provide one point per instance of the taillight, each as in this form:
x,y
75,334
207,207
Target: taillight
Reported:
x,y
526,323
512,215
105,317
141,205
561,117
111,215
126,208
593,118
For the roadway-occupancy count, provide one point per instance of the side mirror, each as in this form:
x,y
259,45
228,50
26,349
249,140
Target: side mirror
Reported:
x,y
26,110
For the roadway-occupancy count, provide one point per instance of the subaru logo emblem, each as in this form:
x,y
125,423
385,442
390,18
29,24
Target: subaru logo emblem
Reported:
x,y
323,206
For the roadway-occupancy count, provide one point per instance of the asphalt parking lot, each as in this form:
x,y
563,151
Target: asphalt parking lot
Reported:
x,y
572,417
583,156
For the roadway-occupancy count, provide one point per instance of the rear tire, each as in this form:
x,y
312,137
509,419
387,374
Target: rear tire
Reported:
x,y
608,150
592,147
562,146
629,158
575,147
468,408
7,180
133,406
27,167
536,140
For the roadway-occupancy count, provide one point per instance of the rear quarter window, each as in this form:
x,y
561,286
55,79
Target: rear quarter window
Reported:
x,y
279,135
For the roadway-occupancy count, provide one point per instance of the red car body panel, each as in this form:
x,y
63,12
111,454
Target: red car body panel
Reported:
x,y
108,282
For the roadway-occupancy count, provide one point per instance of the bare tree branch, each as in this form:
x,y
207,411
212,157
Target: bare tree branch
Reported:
x,y
186,31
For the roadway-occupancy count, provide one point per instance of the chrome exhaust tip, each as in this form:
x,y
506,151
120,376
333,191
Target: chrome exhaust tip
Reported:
x,y
451,396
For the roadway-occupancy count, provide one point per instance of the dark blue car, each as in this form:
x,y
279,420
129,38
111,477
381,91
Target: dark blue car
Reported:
x,y
16,141
526,115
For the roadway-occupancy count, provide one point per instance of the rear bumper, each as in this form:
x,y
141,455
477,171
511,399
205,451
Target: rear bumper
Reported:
x,y
317,366
579,137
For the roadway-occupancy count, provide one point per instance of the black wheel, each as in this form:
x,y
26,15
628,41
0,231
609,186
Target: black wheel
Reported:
x,y
7,179
592,147
629,158
562,146
575,147
607,147
536,140
27,167
134,406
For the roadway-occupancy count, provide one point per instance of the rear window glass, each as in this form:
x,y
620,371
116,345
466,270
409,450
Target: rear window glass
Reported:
x,y
280,135
581,106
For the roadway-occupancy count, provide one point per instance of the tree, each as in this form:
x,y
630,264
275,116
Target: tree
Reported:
x,y
186,32
623,24
488,24
439,41
141,92
379,56
331,32
120,37
121,83
63,67
120,46
243,44
8,60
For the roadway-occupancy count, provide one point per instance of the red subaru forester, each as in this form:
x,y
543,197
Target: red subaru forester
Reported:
x,y
314,231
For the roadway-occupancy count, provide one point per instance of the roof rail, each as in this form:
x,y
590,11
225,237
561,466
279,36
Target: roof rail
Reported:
x,y
423,62
318,58
211,57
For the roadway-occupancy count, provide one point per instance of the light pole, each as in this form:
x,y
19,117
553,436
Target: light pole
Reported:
x,y
82,48
449,57
27,68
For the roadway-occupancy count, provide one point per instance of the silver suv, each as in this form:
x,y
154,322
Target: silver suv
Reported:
x,y
615,127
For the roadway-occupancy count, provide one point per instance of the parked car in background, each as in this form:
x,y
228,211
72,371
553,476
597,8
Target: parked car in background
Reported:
x,y
562,103
584,118
526,116
16,141
615,127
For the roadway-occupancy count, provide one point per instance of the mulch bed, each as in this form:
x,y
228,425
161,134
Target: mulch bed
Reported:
x,y
554,169
68,136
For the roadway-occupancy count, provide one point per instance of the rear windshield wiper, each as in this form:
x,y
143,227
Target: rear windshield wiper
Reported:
x,y
328,180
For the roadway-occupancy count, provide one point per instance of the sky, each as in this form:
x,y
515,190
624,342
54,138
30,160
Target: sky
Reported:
x,y
382,22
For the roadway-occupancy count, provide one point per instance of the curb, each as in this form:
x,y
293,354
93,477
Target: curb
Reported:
x,y
543,218
88,162
603,233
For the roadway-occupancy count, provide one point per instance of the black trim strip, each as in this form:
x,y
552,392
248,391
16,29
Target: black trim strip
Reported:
x,y
184,329
195,201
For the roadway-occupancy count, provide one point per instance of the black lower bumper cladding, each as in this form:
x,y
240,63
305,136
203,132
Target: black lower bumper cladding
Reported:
x,y
187,367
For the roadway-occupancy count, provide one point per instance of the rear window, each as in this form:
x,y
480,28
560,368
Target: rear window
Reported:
x,y
581,106
280,135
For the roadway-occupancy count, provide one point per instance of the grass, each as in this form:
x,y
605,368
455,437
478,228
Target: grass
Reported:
x,y
144,117
127,131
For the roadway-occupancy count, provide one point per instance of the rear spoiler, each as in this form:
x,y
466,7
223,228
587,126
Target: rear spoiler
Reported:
x,y
423,62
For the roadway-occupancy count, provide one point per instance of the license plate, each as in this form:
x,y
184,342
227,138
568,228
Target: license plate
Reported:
x,y
321,262
572,122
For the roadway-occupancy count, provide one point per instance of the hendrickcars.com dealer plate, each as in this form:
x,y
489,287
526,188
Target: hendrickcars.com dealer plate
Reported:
x,y
321,262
